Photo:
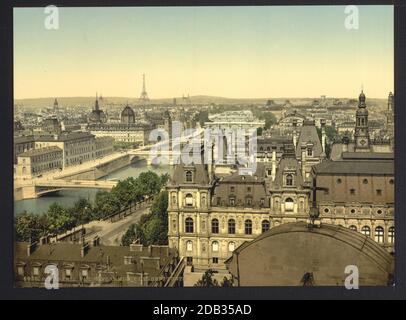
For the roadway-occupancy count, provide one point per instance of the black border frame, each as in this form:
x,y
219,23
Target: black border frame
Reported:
x,y
7,291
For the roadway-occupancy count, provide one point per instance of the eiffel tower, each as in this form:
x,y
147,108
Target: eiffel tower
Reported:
x,y
144,94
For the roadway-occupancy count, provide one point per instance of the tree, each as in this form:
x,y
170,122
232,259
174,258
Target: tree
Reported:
x,y
260,131
149,183
82,211
202,117
227,282
153,228
59,219
207,280
133,233
29,227
270,120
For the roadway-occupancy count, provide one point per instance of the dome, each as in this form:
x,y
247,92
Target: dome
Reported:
x,y
283,255
128,115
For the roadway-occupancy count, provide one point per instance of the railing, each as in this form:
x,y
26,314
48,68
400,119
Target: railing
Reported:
x,y
128,210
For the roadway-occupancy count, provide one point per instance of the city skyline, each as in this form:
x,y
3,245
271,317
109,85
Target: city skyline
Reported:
x,y
221,51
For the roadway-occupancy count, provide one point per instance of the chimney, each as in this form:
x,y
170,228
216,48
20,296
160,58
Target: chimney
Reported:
x,y
84,249
323,135
31,248
303,162
211,163
136,247
96,241
273,174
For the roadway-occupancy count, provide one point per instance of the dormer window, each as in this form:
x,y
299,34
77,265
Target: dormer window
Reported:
x,y
289,180
309,152
189,176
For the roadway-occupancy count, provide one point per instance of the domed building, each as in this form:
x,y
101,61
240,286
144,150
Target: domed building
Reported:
x,y
295,255
127,115
97,115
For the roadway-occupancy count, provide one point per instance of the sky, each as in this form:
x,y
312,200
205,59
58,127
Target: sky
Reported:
x,y
234,52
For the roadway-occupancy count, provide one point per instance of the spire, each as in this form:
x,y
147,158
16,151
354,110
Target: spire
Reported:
x,y
96,105
144,94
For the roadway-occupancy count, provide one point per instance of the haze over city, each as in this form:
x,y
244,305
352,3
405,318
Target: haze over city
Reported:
x,y
235,52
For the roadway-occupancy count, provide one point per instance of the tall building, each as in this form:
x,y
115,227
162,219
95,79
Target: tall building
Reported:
x,y
361,135
56,107
144,94
362,146
390,115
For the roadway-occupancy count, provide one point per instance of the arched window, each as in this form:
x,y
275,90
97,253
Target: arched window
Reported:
x,y
189,200
353,228
379,234
366,231
215,246
189,246
231,226
189,176
189,225
248,227
289,204
289,180
214,226
265,226
391,235
231,246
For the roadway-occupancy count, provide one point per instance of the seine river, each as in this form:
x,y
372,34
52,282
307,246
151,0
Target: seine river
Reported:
x,y
68,197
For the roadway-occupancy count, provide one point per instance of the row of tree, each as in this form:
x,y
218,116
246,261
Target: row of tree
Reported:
x,y
153,227
58,219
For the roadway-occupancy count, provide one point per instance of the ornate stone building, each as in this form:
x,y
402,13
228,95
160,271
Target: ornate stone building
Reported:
x,y
361,144
209,216
128,130
360,196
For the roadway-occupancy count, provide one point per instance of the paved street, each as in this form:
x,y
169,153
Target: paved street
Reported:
x,y
111,233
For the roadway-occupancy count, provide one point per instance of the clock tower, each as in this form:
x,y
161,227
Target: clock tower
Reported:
x,y
361,135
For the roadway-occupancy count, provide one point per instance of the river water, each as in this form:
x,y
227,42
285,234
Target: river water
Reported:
x,y
68,197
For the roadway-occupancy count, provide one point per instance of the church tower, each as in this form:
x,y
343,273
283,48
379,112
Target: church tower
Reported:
x,y
362,139
391,110
56,107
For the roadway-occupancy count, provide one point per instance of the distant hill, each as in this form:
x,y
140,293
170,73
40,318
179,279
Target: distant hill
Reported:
x,y
199,99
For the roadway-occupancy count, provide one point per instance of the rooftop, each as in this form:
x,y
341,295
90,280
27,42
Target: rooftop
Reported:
x,y
40,151
65,137
355,167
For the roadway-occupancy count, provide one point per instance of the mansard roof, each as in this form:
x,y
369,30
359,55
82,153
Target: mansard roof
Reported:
x,y
308,133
